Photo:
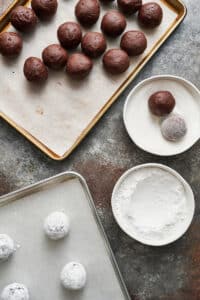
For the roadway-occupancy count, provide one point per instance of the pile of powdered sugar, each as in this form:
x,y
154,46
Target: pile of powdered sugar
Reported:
x,y
151,203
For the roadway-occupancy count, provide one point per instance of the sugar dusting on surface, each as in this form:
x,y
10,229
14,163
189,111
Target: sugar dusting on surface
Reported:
x,y
150,203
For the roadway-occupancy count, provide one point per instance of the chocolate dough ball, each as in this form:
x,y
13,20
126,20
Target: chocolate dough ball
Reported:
x,y
69,35
54,56
133,42
44,9
113,23
23,18
116,61
150,15
79,65
161,103
93,44
129,6
87,12
10,43
35,70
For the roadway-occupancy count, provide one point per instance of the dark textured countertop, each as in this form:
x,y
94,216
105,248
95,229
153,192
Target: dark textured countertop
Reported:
x,y
166,273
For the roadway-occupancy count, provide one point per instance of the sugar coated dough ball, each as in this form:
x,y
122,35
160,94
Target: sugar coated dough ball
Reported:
x,y
173,128
73,276
15,291
56,225
7,247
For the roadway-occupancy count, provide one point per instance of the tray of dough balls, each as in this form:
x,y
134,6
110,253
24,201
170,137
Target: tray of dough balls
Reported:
x,y
63,64
52,245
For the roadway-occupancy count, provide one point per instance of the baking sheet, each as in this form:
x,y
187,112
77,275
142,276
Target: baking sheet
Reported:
x,y
38,261
57,113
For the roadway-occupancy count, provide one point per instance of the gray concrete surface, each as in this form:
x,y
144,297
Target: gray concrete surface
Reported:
x,y
166,273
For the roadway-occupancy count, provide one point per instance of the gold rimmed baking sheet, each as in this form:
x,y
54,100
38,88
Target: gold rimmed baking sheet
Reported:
x,y
57,116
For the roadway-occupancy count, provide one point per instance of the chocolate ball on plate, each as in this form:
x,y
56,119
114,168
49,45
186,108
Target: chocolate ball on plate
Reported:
x,y
54,56
133,42
69,35
129,6
173,128
113,23
150,15
116,61
161,103
35,70
44,9
10,43
79,65
93,44
87,12
23,18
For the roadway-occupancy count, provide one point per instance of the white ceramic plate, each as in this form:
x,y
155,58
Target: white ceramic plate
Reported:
x,y
144,128
157,238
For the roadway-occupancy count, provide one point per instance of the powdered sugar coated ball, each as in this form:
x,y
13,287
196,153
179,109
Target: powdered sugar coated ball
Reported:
x,y
73,276
7,247
173,128
15,291
56,225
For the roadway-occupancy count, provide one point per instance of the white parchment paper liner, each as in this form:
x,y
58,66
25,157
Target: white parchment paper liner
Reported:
x,y
57,112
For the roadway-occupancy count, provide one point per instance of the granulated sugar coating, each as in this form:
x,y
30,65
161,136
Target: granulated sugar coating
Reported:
x,y
7,247
173,128
15,291
56,225
73,276
150,204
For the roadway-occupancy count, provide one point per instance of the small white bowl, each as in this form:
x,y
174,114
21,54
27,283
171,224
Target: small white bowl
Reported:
x,y
144,128
166,237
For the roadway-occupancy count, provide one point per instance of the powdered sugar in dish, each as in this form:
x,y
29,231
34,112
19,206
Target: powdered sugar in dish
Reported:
x,y
150,204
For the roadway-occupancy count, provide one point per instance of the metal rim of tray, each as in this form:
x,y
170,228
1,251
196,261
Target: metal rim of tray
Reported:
x,y
33,188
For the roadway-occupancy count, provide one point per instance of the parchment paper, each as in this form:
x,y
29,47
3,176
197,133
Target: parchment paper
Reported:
x,y
56,113
38,261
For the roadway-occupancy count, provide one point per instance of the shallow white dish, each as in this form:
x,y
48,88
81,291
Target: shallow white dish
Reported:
x,y
119,211
144,128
